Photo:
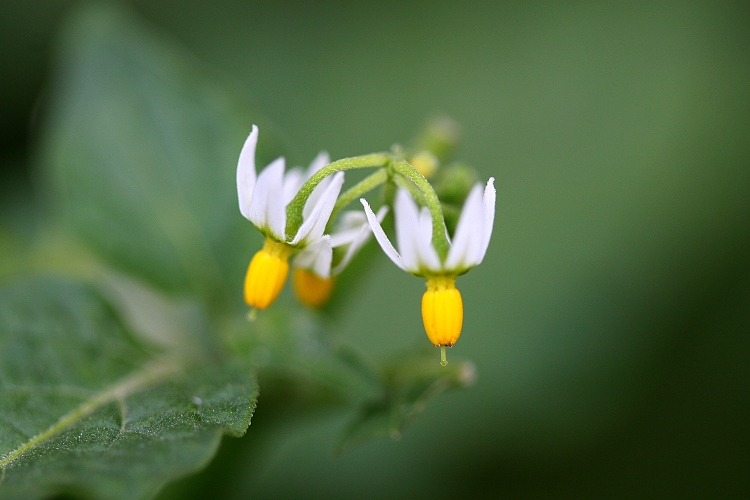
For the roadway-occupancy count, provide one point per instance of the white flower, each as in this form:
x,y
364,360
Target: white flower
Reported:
x,y
442,305
263,198
352,233
417,254
313,277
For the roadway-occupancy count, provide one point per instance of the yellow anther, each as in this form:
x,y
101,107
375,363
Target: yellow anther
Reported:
x,y
266,274
425,162
442,310
311,289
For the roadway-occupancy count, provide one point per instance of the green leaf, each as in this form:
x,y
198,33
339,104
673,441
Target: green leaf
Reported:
x,y
284,342
410,381
88,407
142,145
387,398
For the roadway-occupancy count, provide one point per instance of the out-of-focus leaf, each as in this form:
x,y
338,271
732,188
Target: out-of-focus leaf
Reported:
x,y
143,145
292,343
89,408
409,383
10,250
387,397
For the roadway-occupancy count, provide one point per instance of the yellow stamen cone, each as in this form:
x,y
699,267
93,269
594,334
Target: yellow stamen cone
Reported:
x,y
267,274
311,289
442,310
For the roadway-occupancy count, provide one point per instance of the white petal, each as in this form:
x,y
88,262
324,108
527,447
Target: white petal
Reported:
x,y
428,256
323,263
312,227
319,162
292,183
316,257
407,226
348,228
314,198
414,239
351,219
466,249
489,215
383,240
267,209
361,237
246,172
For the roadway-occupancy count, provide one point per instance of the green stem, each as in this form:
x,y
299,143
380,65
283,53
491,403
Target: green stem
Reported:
x,y
295,207
439,239
415,192
355,192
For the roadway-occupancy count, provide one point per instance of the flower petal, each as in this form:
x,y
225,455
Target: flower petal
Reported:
x,y
267,209
246,172
319,162
428,256
350,223
466,249
316,257
293,180
414,238
312,227
407,225
383,240
489,215
360,238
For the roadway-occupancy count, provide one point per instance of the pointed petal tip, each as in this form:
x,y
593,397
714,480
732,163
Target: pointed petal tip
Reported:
x,y
318,162
380,236
323,157
246,176
489,216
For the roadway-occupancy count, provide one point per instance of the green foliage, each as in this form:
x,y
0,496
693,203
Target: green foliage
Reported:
x,y
408,382
90,408
124,373
141,148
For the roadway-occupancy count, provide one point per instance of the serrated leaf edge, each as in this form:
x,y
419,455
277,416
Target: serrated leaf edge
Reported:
x,y
151,373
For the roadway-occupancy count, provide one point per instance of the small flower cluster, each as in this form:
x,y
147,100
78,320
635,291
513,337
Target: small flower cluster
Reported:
x,y
295,211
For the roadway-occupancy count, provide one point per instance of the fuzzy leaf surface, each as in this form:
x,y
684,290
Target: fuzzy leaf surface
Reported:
x,y
89,408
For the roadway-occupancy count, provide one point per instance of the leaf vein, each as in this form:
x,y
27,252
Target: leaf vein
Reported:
x,y
151,373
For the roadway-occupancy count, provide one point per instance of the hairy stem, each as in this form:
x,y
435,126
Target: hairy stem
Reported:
x,y
439,239
355,192
295,207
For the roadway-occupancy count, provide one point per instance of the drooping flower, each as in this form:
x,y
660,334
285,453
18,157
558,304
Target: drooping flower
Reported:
x,y
442,306
263,200
314,276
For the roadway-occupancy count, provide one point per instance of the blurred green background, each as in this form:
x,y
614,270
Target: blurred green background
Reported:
x,y
610,321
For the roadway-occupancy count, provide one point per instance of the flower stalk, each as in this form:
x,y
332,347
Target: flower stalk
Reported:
x,y
295,207
296,211
439,238
358,190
